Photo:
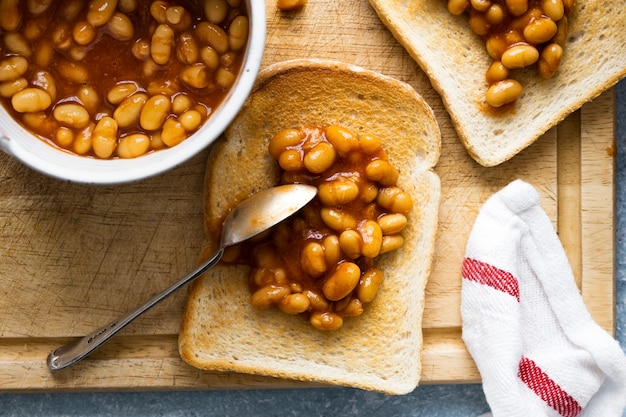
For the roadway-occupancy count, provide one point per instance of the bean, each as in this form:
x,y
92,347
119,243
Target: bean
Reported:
x,y
265,297
100,12
162,44
104,139
520,56
496,45
181,103
481,5
37,7
382,172
390,243
294,304
496,72
342,281
517,7
36,121
291,160
121,91
191,120
31,100
337,220
33,29
83,33
165,87
70,9
342,139
10,15
350,243
332,251
72,71
16,43
210,57
154,112
503,92
319,158
158,11
121,27
173,132
369,284
312,259
127,6
520,22
395,199
392,223
133,145
83,140
215,10
178,18
284,139
457,7
196,76
554,9
561,31
141,49
316,301
326,320
265,256
224,77
479,24
213,35
238,33
540,30
370,143
569,5
129,110
10,88
372,236
12,68
72,115
187,50
495,14
550,60
64,137
89,97
369,192
338,192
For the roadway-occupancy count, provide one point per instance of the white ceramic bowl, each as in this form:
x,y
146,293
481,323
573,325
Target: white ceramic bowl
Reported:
x,y
40,156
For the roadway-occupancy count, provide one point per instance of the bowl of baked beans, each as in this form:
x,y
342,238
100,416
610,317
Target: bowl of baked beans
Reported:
x,y
115,91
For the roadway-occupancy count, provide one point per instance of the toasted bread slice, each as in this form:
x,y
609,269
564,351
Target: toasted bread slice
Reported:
x,y
455,60
379,350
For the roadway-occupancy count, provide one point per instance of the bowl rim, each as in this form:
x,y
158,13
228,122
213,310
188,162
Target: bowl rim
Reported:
x,y
40,156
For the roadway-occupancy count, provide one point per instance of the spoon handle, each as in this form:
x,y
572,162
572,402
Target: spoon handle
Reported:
x,y
67,355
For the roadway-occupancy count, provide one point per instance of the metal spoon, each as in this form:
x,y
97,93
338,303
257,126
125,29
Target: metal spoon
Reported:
x,y
249,218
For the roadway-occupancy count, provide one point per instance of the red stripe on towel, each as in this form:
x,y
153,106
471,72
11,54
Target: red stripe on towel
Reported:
x,y
546,389
486,274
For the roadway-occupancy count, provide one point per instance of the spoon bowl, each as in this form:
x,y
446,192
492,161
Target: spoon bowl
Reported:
x,y
252,216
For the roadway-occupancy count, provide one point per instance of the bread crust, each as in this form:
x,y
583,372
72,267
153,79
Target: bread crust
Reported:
x,y
379,350
455,60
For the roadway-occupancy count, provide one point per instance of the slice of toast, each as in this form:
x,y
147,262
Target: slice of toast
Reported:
x,y
379,350
455,60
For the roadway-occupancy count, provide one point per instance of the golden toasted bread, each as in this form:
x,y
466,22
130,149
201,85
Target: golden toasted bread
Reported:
x,y
379,350
456,60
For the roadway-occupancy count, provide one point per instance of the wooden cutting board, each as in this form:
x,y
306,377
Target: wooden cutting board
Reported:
x,y
74,257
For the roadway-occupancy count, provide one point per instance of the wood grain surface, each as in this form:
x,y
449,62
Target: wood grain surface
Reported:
x,y
74,257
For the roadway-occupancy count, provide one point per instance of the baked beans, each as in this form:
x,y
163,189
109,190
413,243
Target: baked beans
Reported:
x,y
321,262
85,75
518,34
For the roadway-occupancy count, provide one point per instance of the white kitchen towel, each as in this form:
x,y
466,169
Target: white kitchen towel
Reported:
x,y
538,350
